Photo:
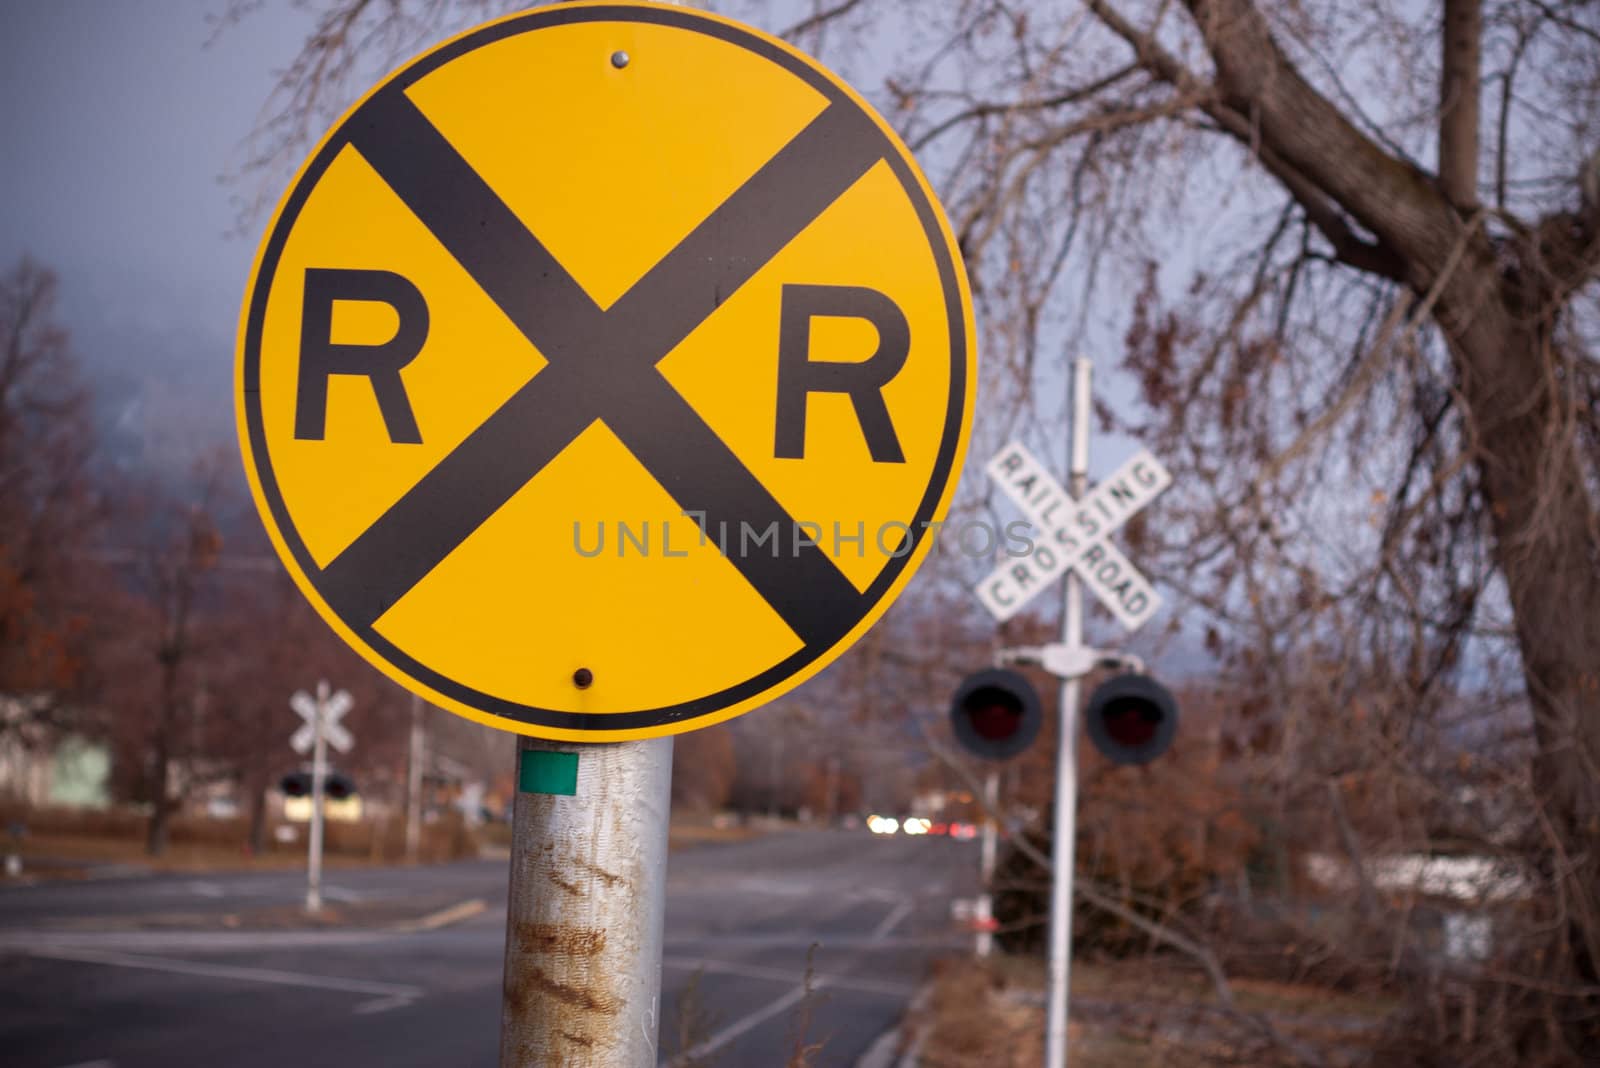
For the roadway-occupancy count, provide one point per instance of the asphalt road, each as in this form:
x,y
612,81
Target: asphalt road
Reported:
x,y
81,988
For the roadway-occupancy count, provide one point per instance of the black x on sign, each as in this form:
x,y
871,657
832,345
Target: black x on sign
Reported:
x,y
605,372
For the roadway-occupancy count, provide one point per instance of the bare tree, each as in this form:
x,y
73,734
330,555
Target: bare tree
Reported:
x,y
156,674
1381,388
47,507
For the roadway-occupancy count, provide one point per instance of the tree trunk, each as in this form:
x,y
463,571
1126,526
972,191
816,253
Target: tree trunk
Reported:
x,y
258,818
155,843
161,789
1531,475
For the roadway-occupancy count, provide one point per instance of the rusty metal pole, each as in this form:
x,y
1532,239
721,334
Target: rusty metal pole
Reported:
x,y
588,901
588,896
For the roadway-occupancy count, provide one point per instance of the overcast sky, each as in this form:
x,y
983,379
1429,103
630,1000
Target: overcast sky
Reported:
x,y
122,118
119,122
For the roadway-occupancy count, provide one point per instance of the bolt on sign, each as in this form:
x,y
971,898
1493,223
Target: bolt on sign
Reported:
x,y
605,371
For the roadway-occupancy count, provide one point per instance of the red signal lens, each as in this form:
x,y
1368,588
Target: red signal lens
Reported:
x,y
1131,723
995,714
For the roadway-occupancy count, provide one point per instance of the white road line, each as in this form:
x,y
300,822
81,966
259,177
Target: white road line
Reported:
x,y
336,893
861,942
783,975
377,1005
755,1019
389,994
741,1026
891,921
463,910
178,941
888,897
204,889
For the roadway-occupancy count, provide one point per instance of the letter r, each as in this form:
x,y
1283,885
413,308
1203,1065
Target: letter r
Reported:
x,y
799,375
320,358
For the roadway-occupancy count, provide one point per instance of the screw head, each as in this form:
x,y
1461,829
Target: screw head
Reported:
x,y
582,678
619,59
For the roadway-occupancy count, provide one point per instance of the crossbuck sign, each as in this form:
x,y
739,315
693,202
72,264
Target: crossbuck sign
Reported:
x,y
1074,533
331,712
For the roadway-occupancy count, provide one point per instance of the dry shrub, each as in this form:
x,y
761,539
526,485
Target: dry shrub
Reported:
x,y
972,1023
50,821
1157,837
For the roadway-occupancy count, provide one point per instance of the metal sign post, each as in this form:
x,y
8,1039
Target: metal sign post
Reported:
x,y
319,775
1066,815
1077,524
985,910
320,729
588,898
414,784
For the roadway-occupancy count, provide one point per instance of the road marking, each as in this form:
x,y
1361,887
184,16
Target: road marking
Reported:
x,y
349,897
863,942
744,1024
377,1005
891,921
784,975
456,913
885,1052
94,1064
888,897
47,941
389,995
204,889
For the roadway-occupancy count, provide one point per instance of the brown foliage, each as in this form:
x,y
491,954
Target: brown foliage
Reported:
x,y
1159,838
47,509
703,769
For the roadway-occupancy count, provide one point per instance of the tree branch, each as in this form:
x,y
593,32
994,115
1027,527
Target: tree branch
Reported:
x,y
1391,198
819,19
1459,91
1322,211
986,109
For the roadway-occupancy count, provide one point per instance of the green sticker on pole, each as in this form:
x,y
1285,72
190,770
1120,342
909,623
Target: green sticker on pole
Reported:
x,y
541,771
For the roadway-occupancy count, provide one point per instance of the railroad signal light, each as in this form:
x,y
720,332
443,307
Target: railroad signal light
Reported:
x,y
1131,719
996,714
336,786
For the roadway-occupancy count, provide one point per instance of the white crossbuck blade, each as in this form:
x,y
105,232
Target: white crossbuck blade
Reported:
x,y
1071,533
338,737
306,706
340,703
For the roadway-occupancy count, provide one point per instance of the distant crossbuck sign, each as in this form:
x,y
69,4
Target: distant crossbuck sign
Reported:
x,y
606,371
306,707
1074,534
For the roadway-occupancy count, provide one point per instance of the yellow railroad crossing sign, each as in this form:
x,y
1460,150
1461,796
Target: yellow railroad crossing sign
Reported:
x,y
606,371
